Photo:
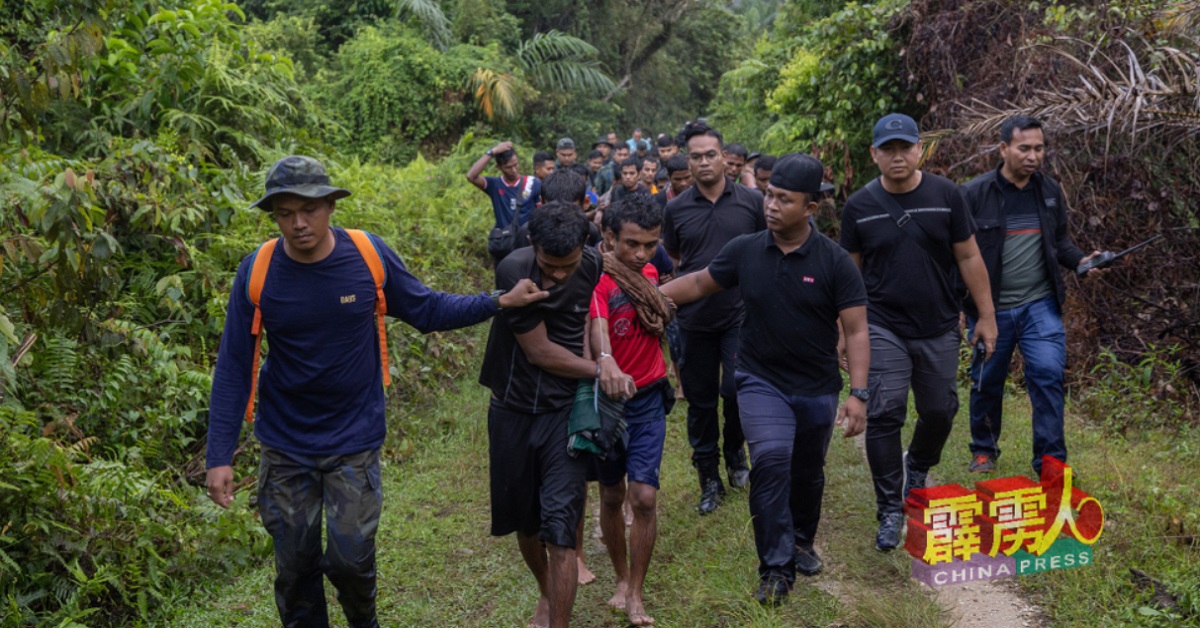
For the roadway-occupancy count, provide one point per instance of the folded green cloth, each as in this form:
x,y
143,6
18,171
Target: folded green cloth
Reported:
x,y
596,423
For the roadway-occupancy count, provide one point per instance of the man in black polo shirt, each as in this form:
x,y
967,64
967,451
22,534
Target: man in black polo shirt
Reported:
x,y
797,285
908,231
534,360
696,224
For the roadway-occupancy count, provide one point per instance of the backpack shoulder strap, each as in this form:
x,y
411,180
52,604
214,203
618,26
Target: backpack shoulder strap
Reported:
x,y
254,288
370,254
907,224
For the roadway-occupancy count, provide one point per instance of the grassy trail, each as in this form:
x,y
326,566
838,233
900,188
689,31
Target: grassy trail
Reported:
x,y
439,566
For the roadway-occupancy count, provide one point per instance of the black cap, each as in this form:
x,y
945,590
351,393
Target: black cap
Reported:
x,y
798,172
299,175
566,143
603,139
896,126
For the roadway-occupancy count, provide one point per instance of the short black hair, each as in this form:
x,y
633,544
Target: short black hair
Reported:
x,y
665,141
632,162
621,146
1017,123
595,154
676,163
564,185
660,175
542,157
639,209
558,228
504,157
765,162
648,158
698,127
737,149
579,169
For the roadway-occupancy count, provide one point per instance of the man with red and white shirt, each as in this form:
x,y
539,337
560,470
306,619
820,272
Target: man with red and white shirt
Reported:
x,y
629,316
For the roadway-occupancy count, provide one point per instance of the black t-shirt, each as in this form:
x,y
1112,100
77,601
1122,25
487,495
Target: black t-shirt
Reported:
x,y
910,294
515,383
694,230
789,337
620,191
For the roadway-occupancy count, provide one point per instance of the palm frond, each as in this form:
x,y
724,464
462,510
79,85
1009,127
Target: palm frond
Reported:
x,y
561,62
496,93
431,17
1154,101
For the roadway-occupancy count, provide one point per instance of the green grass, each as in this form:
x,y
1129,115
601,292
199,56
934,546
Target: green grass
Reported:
x,y
439,566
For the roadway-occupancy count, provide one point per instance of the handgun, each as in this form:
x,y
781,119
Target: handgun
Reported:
x,y
1108,258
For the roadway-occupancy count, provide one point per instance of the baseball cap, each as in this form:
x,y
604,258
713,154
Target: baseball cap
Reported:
x,y
896,126
299,175
603,139
798,172
566,143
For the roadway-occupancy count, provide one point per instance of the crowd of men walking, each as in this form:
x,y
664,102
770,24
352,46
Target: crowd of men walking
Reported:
x,y
684,239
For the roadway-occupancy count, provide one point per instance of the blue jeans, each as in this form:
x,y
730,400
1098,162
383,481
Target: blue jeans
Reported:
x,y
1036,328
788,436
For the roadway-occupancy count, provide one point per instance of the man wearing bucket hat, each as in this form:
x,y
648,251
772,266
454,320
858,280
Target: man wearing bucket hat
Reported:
x,y
320,418
909,231
797,285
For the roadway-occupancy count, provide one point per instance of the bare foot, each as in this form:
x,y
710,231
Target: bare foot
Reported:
x,y
618,599
637,611
585,575
541,616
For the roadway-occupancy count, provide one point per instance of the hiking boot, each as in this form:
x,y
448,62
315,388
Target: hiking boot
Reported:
x,y
983,463
710,496
737,470
772,590
807,561
739,478
912,477
890,526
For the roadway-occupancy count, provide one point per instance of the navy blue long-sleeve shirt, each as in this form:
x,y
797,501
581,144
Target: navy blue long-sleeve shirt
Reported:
x,y
321,385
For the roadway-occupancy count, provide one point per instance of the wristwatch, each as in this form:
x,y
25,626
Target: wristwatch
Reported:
x,y
488,152
862,394
496,294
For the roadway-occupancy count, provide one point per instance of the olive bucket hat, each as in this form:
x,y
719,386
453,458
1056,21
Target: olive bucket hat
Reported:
x,y
299,175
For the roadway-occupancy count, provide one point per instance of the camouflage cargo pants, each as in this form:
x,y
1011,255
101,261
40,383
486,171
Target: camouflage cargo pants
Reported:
x,y
293,490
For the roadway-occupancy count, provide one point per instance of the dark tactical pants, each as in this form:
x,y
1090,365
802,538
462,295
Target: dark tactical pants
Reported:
x,y
930,367
292,491
706,367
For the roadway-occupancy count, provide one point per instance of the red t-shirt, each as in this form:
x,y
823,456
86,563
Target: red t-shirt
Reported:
x,y
637,351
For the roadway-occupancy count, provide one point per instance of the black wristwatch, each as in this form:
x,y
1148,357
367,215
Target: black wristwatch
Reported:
x,y
496,294
862,394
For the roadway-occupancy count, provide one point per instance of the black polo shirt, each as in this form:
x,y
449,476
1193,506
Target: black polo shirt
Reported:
x,y
515,383
912,295
789,337
694,230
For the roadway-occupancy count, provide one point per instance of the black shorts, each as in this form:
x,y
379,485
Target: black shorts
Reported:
x,y
537,487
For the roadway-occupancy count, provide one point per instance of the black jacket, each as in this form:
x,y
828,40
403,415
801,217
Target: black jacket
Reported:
x,y
986,200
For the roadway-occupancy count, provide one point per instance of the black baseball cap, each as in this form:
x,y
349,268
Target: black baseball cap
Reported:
x,y
566,143
798,172
299,175
896,126
603,139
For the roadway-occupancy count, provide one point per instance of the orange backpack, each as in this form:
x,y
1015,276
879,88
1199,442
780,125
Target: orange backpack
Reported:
x,y
258,277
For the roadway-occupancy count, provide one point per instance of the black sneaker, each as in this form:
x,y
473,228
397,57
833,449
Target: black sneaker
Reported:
x,y
890,527
807,561
912,477
772,590
710,496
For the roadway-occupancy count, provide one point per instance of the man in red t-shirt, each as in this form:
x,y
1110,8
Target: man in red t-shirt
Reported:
x,y
631,231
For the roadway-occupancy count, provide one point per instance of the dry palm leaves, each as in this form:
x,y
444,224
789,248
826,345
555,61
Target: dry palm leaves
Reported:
x,y
1156,100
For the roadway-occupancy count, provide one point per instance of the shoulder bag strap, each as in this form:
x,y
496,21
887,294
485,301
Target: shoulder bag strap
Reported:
x,y
907,224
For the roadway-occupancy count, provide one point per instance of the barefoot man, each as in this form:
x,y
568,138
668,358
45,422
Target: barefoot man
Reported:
x,y
628,321
534,360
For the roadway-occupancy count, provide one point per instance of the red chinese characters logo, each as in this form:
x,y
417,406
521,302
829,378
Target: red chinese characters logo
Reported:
x,y
1002,516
